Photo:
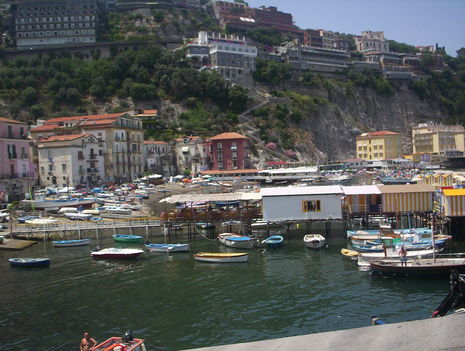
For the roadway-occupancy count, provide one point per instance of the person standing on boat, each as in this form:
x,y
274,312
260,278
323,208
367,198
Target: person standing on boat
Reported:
x,y
403,256
87,343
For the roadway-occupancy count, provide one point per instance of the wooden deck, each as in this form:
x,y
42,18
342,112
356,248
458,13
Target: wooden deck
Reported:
x,y
14,244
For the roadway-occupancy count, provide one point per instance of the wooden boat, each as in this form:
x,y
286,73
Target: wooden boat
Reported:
x,y
314,241
351,254
204,226
418,267
274,241
114,252
119,344
168,248
29,262
71,243
364,258
237,241
221,257
123,238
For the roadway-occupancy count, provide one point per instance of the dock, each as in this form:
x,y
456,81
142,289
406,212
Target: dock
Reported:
x,y
14,244
443,333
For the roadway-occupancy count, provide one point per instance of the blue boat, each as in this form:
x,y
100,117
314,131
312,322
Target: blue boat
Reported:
x,y
29,262
124,238
167,247
70,243
274,241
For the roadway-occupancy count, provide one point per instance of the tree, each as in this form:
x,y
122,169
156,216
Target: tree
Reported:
x,y
29,96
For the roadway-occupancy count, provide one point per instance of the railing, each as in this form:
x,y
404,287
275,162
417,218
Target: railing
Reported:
x,y
17,175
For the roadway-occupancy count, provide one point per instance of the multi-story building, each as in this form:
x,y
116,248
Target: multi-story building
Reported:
x,y
227,54
191,154
437,139
40,23
120,135
379,145
371,41
392,64
69,160
158,157
303,57
228,151
17,171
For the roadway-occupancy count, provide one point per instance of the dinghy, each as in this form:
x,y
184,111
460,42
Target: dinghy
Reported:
x,y
237,241
114,252
167,248
314,241
274,241
221,257
71,243
123,238
29,262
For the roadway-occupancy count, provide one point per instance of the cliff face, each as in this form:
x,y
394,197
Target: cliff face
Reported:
x,y
328,134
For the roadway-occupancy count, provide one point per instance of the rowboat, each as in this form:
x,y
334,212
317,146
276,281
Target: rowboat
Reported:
x,y
114,252
422,267
29,262
237,241
168,248
314,241
274,241
123,238
125,343
70,243
364,258
351,254
221,257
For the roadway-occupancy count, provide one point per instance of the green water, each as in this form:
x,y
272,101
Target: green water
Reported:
x,y
176,303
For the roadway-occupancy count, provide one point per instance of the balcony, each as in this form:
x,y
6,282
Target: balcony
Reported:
x,y
17,175
92,170
81,171
92,157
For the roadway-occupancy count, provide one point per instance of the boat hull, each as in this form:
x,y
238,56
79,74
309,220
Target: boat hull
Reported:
x,y
237,241
221,257
364,259
167,248
29,262
71,243
425,268
132,239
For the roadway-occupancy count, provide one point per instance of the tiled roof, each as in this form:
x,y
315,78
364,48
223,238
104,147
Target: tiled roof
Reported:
x,y
155,142
44,128
149,112
230,171
64,137
229,135
89,117
7,120
99,122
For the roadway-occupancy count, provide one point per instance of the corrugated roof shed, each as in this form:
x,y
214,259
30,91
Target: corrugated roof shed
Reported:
x,y
407,188
302,190
361,190
454,192
212,197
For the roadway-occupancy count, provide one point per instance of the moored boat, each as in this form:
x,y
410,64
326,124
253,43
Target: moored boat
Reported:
x,y
314,241
29,262
125,343
364,258
418,267
221,257
114,252
274,241
351,254
237,241
167,248
123,238
71,243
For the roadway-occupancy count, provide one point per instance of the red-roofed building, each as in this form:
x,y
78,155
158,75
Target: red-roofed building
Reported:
x,y
380,145
228,151
17,171
120,135
72,159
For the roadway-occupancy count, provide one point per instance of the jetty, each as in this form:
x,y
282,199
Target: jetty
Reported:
x,y
14,244
444,333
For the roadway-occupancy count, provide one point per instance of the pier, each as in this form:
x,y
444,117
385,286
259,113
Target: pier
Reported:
x,y
444,333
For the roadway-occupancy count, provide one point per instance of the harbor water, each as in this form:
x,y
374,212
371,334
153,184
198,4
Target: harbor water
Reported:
x,y
174,302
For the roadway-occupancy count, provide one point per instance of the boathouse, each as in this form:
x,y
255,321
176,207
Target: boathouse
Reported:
x,y
302,203
407,198
453,207
362,199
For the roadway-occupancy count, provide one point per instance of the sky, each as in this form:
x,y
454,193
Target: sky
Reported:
x,y
414,22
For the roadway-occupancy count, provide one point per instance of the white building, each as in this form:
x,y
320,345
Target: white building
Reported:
x,y
302,203
371,41
69,160
158,157
191,154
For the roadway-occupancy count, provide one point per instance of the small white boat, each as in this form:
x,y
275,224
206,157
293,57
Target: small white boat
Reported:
x,y
71,243
314,241
42,221
221,257
114,252
78,216
117,210
365,258
68,210
167,248
91,212
237,241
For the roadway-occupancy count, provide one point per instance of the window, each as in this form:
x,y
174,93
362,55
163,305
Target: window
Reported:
x,y
219,146
10,132
63,167
80,155
311,206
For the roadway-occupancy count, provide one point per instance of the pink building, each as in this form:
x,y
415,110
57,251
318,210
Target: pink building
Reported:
x,y
228,151
17,171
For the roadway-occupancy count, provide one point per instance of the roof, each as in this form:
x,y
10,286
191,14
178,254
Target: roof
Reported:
x,y
8,120
229,135
407,188
302,190
237,196
454,192
99,122
230,171
88,117
44,128
375,134
361,190
155,142
64,137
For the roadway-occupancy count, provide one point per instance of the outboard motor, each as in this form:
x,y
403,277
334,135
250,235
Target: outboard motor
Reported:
x,y
127,338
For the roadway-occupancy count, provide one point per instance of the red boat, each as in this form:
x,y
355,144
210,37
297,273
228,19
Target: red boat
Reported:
x,y
118,344
114,252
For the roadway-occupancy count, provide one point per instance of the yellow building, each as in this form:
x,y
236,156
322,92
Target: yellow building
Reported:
x,y
377,146
437,139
